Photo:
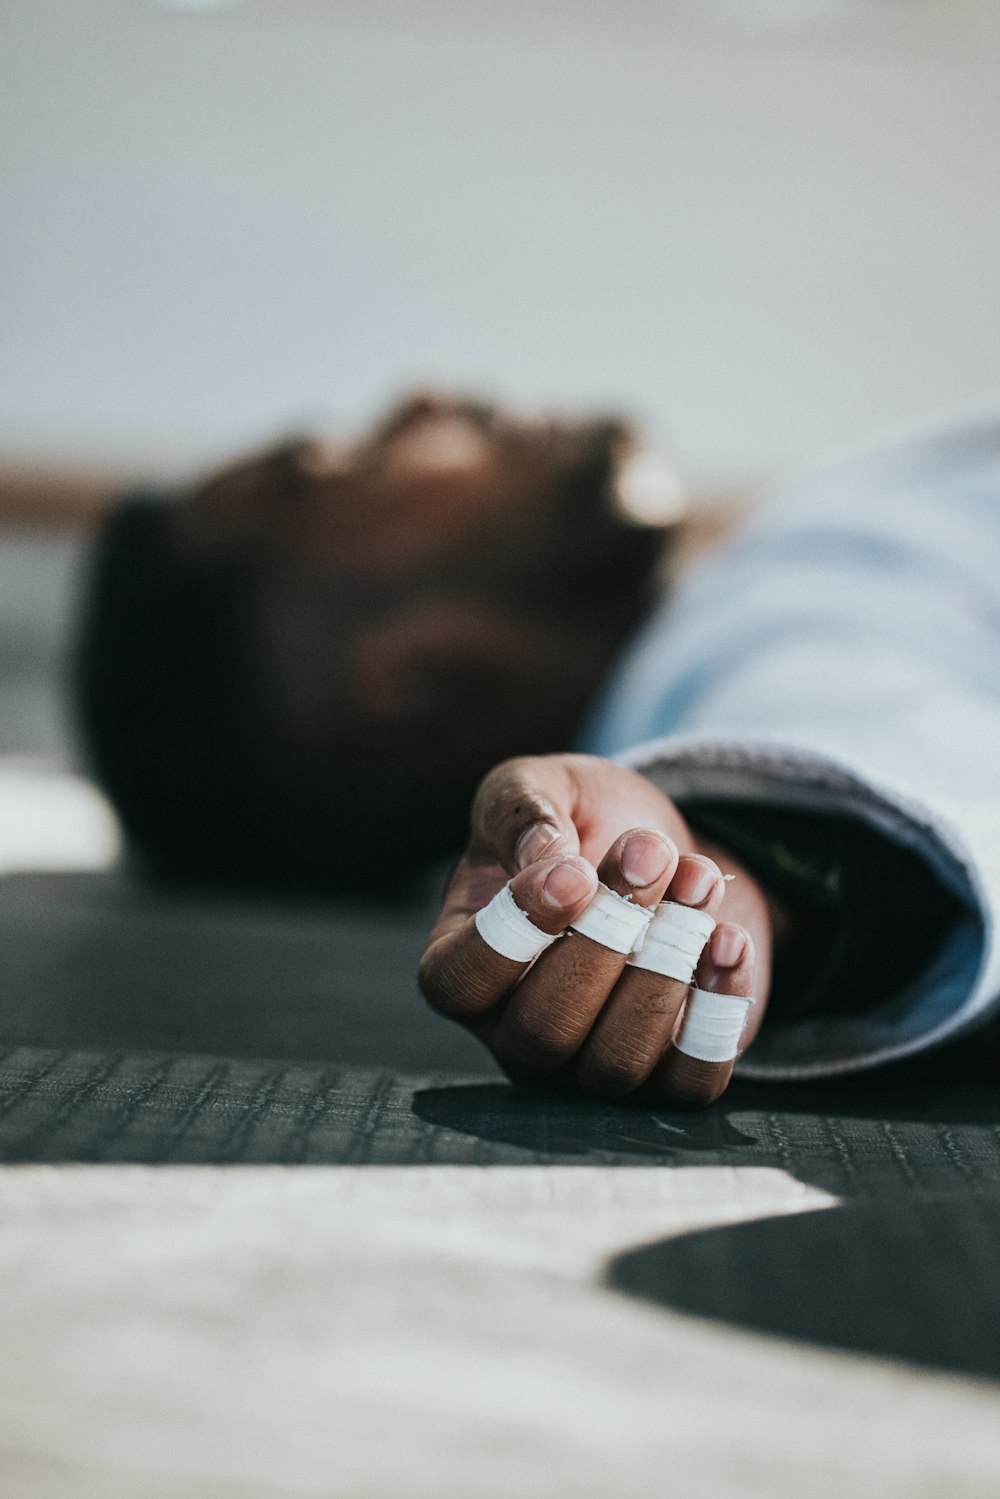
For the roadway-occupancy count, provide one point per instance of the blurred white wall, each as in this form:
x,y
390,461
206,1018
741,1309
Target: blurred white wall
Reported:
x,y
217,223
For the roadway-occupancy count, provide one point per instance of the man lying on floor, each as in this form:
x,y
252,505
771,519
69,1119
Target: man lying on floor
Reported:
x,y
298,673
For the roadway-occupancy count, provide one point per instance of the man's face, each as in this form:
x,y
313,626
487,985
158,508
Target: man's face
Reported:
x,y
445,590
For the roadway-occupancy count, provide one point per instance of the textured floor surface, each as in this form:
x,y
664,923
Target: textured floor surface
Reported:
x,y
269,1228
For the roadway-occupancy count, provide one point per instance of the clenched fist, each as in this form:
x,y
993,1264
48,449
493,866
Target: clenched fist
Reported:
x,y
580,1016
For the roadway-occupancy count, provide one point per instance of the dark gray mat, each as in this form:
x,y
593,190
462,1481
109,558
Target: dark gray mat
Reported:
x,y
148,1028
161,1107
98,961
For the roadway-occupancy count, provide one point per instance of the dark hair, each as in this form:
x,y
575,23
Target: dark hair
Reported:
x,y
181,722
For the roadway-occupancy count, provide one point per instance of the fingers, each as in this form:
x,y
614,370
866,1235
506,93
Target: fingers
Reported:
x,y
636,1024
692,1077
583,801
522,812
576,1011
550,1014
522,819
461,974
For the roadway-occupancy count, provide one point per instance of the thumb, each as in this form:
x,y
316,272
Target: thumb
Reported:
x,y
523,811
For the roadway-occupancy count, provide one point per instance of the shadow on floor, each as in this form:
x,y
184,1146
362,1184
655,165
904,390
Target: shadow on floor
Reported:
x,y
904,1269
175,1030
857,1141
907,1278
556,1125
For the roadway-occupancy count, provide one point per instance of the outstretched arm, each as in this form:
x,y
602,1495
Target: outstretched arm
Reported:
x,y
823,696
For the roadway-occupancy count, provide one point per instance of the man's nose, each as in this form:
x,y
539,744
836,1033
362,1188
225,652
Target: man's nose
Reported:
x,y
421,405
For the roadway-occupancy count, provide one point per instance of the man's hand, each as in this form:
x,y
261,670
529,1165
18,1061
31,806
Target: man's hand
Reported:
x,y
579,1016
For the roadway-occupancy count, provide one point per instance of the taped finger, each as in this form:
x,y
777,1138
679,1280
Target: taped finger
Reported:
x,y
674,941
696,1068
613,921
549,1016
637,1022
713,1025
471,967
509,931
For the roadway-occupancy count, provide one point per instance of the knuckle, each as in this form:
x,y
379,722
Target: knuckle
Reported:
x,y
697,1086
538,1044
429,982
695,1097
615,1069
505,796
499,784
457,988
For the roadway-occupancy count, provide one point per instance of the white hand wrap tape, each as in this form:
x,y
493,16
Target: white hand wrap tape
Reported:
x,y
504,927
613,921
674,941
712,1026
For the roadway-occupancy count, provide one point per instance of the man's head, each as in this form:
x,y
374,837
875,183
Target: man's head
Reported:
x,y
295,673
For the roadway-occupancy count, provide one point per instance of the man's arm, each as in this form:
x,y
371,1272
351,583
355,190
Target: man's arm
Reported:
x,y
823,697
837,666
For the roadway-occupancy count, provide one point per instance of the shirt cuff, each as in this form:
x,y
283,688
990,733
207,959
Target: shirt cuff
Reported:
x,y
953,990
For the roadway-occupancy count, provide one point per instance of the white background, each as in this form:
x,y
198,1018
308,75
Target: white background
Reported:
x,y
218,223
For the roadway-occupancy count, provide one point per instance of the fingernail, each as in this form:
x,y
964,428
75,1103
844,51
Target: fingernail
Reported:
x,y
727,946
533,842
702,883
644,858
566,884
